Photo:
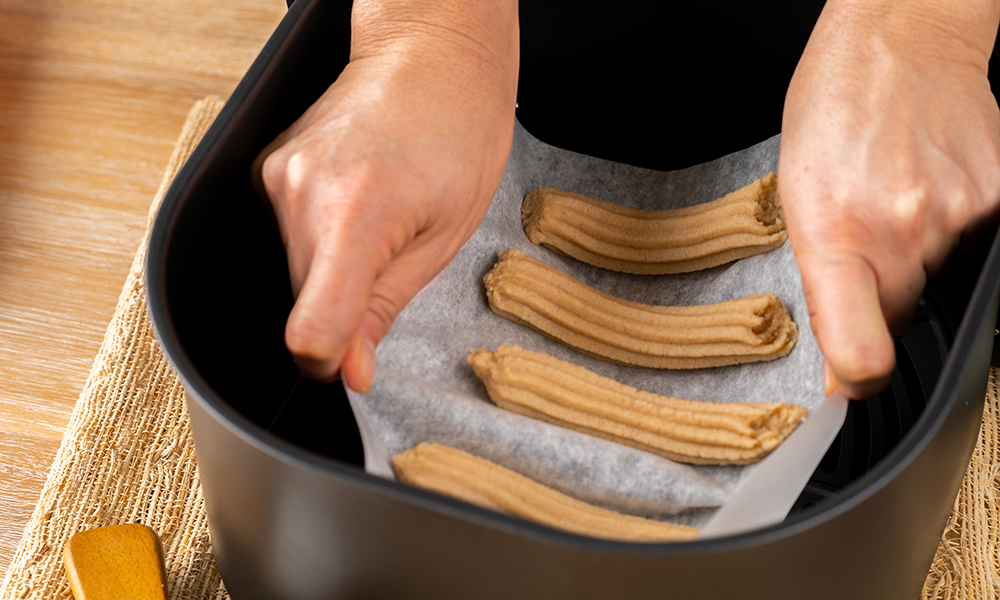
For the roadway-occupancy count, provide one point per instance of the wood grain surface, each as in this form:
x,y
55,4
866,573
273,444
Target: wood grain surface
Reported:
x,y
93,94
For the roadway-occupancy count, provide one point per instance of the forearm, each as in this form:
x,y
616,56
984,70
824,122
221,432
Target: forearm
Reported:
x,y
959,31
470,47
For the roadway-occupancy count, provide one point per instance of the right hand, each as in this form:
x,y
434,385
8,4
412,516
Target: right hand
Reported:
x,y
890,153
381,181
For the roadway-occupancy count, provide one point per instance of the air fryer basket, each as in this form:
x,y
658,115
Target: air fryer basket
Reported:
x,y
292,513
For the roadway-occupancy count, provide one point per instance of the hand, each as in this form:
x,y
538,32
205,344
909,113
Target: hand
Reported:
x,y
378,184
890,150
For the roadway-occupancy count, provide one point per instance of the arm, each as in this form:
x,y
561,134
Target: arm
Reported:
x,y
890,150
380,182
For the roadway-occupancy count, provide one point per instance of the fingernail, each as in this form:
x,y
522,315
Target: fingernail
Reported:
x,y
359,377
830,383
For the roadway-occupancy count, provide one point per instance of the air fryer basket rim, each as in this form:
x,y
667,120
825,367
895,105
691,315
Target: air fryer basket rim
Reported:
x,y
944,394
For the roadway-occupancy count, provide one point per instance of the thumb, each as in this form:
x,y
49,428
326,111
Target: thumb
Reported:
x,y
396,285
348,304
846,316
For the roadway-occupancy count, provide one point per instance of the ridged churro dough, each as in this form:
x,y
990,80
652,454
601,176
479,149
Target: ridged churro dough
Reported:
x,y
690,431
743,223
532,293
478,481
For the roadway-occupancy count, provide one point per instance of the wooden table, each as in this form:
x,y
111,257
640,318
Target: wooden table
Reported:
x,y
93,94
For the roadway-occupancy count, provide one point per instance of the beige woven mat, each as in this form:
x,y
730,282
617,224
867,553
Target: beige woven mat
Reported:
x,y
127,456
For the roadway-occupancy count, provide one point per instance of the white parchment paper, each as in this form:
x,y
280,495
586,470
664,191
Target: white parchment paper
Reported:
x,y
424,390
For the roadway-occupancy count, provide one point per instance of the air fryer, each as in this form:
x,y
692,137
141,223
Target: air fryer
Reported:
x,y
291,511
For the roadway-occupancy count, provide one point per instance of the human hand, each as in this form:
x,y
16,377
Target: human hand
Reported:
x,y
890,150
381,181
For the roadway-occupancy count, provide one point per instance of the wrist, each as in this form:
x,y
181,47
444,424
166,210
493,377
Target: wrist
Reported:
x,y
473,43
959,31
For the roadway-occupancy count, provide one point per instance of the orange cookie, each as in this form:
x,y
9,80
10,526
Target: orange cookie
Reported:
x,y
478,481
743,223
690,431
532,293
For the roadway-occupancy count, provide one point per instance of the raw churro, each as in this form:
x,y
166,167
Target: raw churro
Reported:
x,y
742,223
532,293
690,431
478,481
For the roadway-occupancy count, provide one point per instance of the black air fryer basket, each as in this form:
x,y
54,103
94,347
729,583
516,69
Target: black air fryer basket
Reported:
x,y
291,511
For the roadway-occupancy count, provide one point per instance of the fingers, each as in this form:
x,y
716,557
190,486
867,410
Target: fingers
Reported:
x,y
352,294
366,224
359,364
854,277
330,307
847,318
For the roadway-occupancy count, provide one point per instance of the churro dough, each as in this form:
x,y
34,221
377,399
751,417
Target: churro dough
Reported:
x,y
478,481
540,386
743,223
532,293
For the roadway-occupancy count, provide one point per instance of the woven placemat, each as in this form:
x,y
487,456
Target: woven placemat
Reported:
x,y
967,564
128,457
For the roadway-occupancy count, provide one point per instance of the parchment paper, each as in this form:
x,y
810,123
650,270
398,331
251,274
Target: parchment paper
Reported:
x,y
424,390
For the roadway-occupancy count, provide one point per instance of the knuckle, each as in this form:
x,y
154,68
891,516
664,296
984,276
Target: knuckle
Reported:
x,y
908,205
272,168
295,172
289,173
961,199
